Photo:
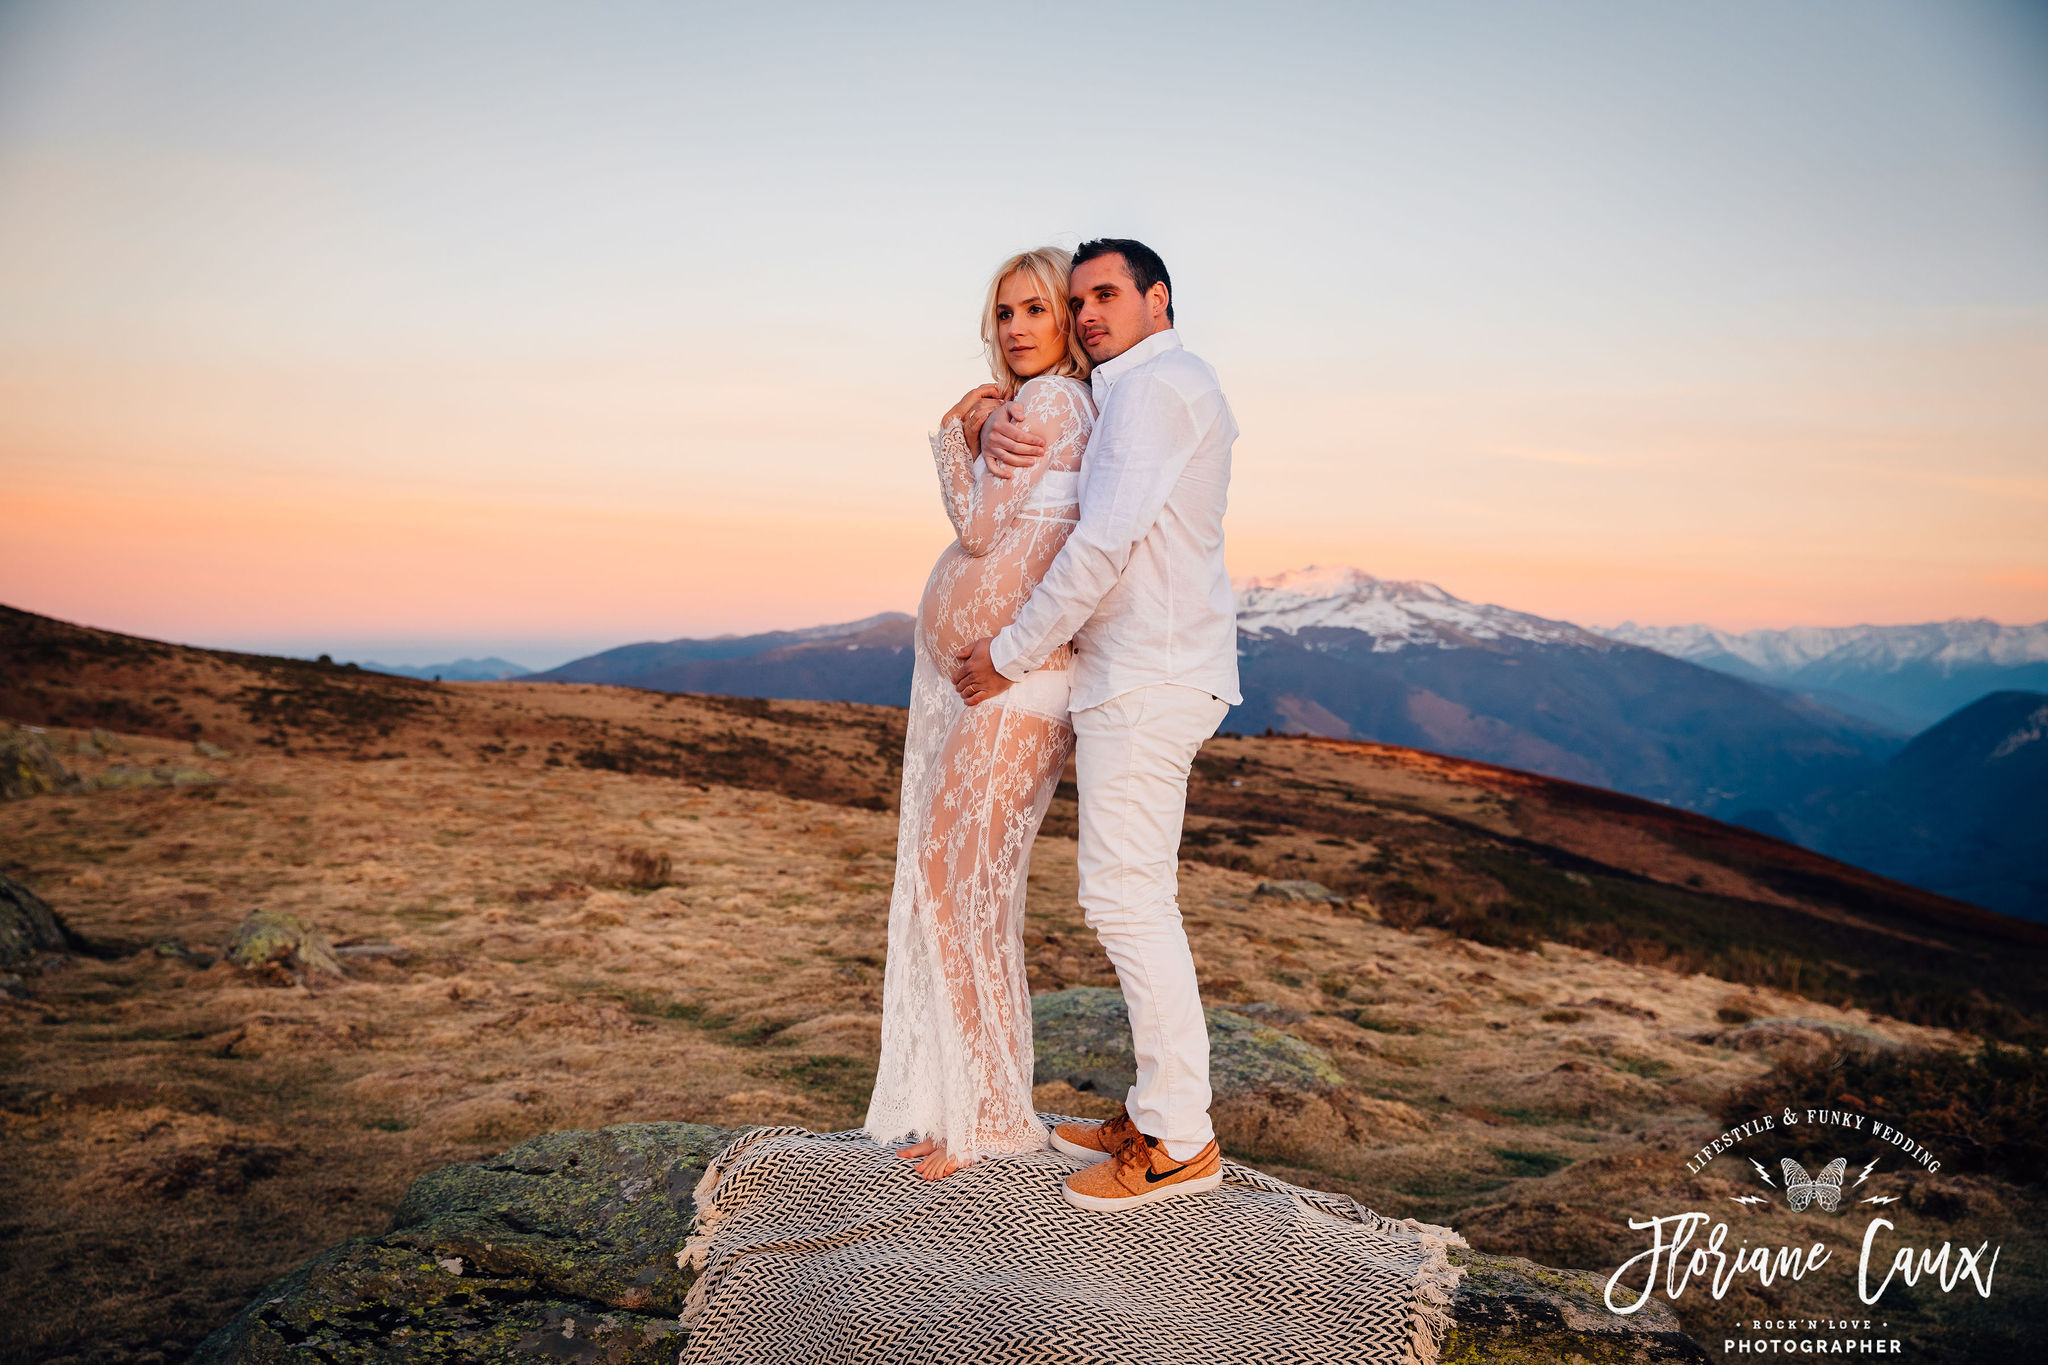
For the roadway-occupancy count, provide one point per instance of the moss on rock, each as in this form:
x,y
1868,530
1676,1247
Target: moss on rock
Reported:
x,y
29,766
1083,1036
1509,1311
282,945
563,1248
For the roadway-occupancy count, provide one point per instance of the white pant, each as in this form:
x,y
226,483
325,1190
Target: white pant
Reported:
x,y
1132,755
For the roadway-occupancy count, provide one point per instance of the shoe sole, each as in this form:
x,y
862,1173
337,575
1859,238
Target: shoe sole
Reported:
x,y
1197,1185
1077,1151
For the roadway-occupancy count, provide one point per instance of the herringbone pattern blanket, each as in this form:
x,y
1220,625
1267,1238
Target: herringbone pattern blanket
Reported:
x,y
827,1247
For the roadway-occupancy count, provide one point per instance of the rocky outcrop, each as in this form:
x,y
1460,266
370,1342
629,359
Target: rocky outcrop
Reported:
x,y
28,927
281,947
1297,893
128,775
1509,1311
1083,1036
564,1249
29,766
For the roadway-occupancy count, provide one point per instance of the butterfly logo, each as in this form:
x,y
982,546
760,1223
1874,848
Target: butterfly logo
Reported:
x,y
1824,1189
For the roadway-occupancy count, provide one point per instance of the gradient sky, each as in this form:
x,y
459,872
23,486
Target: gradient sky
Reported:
x,y
409,330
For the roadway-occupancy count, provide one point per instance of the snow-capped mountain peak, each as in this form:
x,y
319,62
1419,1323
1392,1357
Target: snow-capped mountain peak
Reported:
x,y
1943,645
1396,613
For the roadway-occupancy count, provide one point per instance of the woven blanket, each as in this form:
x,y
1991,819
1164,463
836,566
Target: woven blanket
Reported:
x,y
827,1247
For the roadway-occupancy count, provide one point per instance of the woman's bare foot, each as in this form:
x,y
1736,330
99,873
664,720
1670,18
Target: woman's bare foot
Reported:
x,y
933,1163
939,1164
930,1157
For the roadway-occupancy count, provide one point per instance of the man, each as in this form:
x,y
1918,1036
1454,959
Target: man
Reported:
x,y
1141,590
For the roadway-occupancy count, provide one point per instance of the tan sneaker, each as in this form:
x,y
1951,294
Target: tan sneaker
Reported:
x,y
1142,1173
1094,1141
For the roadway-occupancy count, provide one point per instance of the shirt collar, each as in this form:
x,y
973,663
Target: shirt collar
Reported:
x,y
1104,376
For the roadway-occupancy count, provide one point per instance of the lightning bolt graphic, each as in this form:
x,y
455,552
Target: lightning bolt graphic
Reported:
x,y
1866,1172
1878,1199
1749,1199
1762,1174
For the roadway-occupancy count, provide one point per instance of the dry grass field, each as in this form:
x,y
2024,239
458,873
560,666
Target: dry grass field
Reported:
x,y
563,906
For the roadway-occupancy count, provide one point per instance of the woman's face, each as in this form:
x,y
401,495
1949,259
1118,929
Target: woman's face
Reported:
x,y
1027,328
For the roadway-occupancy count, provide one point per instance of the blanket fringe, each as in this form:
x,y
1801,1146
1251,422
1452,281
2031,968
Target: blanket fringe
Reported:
x,y
696,1250
1430,1231
1436,1284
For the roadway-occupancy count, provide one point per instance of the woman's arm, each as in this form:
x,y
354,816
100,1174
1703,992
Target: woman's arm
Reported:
x,y
953,452
983,507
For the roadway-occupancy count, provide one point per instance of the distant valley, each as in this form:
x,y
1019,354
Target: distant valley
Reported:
x,y
1962,810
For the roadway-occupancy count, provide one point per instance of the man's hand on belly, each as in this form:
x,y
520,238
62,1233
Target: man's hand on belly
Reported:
x,y
976,680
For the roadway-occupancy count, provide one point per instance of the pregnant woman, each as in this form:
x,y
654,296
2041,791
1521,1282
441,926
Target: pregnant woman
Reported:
x,y
955,1077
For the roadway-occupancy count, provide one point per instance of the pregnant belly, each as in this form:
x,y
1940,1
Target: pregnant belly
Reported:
x,y
968,599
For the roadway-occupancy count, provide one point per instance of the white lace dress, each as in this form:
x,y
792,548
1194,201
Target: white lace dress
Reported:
x,y
956,1012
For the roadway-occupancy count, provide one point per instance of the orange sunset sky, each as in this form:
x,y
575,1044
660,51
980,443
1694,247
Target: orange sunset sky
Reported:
x,y
404,332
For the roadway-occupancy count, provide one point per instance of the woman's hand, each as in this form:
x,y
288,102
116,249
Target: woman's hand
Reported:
x,y
987,393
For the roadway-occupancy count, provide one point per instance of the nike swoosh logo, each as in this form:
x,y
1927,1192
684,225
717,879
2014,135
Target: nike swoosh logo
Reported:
x,y
1154,1177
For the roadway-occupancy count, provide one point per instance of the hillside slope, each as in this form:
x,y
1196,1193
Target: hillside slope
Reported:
x,y
1488,852
568,907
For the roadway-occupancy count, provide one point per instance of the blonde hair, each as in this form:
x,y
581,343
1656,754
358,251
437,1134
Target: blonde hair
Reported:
x,y
1049,268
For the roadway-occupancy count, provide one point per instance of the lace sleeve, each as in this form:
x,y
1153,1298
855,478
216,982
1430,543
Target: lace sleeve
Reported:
x,y
981,505
958,469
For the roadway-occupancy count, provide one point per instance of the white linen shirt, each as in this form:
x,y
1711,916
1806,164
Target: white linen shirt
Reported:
x,y
1140,586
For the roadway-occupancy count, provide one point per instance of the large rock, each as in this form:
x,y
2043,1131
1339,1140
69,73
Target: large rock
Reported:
x,y
28,927
1509,1311
564,1248
1083,1037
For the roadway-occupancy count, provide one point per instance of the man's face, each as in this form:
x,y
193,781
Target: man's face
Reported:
x,y
1110,315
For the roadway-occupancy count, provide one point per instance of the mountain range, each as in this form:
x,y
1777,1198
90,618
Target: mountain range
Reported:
x,y
866,660
1342,654
1902,677
492,669
1339,653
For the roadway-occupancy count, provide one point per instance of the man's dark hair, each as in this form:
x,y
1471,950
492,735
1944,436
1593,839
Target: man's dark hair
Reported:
x,y
1142,261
